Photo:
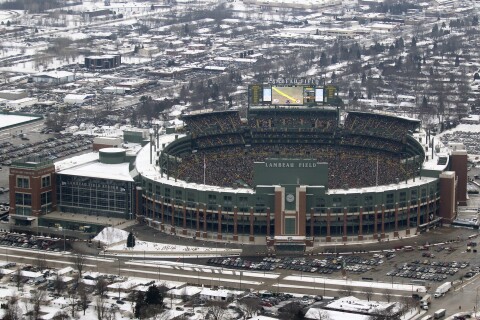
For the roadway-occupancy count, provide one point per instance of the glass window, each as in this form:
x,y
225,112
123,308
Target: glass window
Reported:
x,y
23,199
46,197
46,181
23,182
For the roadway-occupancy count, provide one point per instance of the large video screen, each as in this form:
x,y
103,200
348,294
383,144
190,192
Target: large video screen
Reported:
x,y
287,95
284,95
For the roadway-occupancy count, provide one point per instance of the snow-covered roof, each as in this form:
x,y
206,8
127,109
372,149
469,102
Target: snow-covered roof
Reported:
x,y
185,291
87,165
215,293
354,304
65,271
54,74
314,313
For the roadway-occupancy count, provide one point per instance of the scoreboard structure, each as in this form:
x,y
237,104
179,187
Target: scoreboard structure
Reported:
x,y
306,95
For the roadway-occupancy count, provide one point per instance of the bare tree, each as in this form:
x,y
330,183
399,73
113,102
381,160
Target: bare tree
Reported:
x,y
83,295
61,315
101,307
318,314
80,263
41,262
388,295
101,286
33,304
249,307
18,278
217,309
347,290
13,311
72,301
368,293
58,284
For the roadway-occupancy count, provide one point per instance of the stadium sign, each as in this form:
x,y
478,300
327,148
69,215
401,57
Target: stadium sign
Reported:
x,y
312,164
281,171
299,81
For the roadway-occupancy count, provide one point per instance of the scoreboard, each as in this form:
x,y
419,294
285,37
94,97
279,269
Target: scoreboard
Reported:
x,y
294,95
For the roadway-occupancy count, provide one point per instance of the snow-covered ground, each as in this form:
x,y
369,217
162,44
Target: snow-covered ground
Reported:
x,y
7,120
111,235
166,247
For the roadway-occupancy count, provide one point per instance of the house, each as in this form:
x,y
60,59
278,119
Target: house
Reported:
x,y
208,294
53,77
187,291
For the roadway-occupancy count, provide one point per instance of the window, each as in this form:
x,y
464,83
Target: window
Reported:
x,y
178,194
390,200
190,196
403,198
46,181
368,203
46,198
23,182
413,197
337,202
243,204
23,199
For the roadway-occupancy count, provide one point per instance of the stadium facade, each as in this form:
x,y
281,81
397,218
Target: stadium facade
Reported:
x,y
294,177
288,177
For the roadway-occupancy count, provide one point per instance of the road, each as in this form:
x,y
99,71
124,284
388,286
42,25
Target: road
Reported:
x,y
183,271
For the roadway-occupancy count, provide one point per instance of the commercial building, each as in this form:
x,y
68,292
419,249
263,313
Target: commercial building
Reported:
x,y
103,61
54,77
83,193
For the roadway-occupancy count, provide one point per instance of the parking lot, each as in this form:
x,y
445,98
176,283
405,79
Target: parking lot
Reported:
x,y
30,242
50,148
325,265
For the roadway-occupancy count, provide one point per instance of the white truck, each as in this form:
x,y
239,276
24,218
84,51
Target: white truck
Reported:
x,y
425,302
442,289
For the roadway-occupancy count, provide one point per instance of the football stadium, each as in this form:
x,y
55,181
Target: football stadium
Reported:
x,y
298,174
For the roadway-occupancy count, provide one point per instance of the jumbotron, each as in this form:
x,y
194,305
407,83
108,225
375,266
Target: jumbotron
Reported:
x,y
291,177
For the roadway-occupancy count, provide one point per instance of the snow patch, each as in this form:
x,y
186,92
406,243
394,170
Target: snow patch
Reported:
x,y
111,235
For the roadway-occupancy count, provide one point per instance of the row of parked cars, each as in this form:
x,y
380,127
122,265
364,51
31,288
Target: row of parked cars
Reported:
x,y
327,265
431,271
28,241
51,148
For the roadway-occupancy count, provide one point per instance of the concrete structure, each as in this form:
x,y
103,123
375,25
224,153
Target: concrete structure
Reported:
x,y
103,62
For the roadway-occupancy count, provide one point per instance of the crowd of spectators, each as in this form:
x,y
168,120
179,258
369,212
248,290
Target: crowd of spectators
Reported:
x,y
317,120
379,125
366,152
212,122
348,167
220,140
372,142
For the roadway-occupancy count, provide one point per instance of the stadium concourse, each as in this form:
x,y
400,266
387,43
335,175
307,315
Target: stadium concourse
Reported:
x,y
295,177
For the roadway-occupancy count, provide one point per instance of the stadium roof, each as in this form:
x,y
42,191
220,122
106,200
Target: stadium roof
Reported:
x,y
151,171
385,114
